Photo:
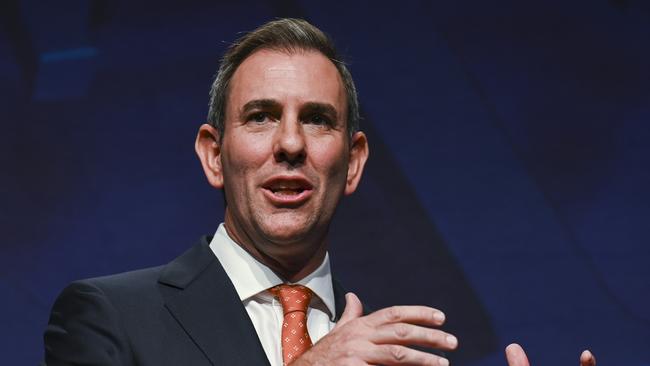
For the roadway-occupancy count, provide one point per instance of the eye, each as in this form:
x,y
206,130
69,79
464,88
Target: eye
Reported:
x,y
318,119
259,117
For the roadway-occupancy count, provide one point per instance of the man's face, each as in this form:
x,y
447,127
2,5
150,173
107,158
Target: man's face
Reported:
x,y
285,155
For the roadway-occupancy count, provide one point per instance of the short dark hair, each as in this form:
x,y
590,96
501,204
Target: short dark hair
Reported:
x,y
289,35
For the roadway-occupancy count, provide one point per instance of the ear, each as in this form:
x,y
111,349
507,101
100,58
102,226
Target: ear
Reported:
x,y
208,148
359,152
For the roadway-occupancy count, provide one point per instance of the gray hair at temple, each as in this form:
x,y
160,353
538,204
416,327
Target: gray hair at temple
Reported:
x,y
289,35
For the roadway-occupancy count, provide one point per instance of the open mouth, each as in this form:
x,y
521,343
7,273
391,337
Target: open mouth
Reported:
x,y
281,191
287,190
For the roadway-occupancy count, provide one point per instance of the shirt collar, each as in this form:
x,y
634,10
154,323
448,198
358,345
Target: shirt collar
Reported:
x,y
251,277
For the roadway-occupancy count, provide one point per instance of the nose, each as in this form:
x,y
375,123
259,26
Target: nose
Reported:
x,y
289,141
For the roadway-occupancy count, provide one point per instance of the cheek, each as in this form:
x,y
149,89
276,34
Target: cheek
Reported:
x,y
248,149
331,160
242,160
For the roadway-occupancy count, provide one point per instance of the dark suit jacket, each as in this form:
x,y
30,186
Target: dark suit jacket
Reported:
x,y
184,313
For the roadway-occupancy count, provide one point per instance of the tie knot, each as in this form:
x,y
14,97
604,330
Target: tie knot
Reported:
x,y
292,297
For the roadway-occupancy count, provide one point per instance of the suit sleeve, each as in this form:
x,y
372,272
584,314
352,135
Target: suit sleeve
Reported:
x,y
85,329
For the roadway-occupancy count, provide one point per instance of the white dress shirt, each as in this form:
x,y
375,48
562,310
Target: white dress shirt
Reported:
x,y
252,279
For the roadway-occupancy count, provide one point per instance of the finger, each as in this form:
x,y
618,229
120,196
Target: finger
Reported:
x,y
391,355
409,334
414,314
587,359
516,355
353,309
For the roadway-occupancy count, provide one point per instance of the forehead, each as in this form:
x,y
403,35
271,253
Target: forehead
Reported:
x,y
287,77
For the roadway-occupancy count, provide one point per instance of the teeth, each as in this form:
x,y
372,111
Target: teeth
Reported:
x,y
285,192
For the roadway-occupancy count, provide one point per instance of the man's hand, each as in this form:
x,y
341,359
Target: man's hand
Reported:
x,y
381,338
517,357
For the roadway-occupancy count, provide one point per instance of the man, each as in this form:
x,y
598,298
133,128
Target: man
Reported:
x,y
283,143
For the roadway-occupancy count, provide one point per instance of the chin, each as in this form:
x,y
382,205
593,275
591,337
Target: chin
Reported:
x,y
286,236
289,232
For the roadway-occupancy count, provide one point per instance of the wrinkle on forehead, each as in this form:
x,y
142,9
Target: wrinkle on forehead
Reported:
x,y
275,72
269,74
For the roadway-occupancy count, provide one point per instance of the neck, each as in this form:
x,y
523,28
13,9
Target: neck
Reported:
x,y
297,270
291,262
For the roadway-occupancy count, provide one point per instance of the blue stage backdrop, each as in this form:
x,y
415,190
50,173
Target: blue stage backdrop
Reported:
x,y
507,185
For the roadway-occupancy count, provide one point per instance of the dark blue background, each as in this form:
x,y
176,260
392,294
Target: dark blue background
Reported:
x,y
508,180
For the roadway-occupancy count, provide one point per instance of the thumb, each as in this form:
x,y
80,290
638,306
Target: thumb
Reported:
x,y
587,359
516,355
353,309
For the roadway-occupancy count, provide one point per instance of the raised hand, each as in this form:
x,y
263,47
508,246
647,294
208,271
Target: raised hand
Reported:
x,y
516,356
381,338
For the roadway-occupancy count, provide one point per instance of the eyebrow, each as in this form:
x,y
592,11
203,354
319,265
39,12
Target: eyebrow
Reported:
x,y
257,104
271,104
321,108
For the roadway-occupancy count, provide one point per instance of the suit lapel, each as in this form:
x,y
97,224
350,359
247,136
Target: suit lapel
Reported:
x,y
339,300
200,296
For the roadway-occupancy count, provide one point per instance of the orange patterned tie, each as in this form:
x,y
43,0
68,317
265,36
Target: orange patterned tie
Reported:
x,y
295,338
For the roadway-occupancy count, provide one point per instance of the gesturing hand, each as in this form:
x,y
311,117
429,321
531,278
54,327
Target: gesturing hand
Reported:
x,y
381,337
517,357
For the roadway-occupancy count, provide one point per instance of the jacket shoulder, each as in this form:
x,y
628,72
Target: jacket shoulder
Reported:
x,y
90,318
138,282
